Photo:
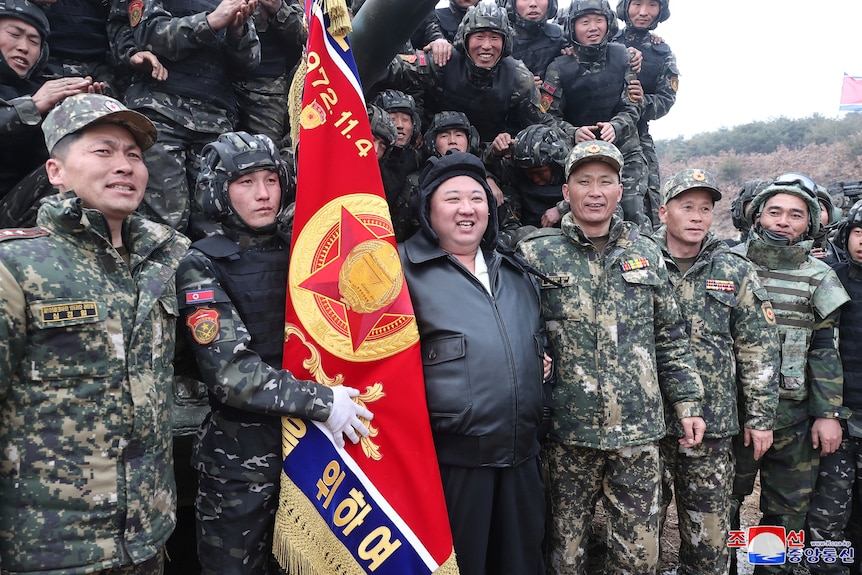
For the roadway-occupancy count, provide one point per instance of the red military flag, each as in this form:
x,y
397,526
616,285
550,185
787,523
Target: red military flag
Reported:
x,y
851,94
376,507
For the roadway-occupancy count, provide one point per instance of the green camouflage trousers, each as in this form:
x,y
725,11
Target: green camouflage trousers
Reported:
x,y
787,473
700,479
628,482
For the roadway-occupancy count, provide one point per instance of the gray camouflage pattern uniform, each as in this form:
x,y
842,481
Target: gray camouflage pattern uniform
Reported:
x,y
620,347
185,124
262,100
735,344
237,456
86,472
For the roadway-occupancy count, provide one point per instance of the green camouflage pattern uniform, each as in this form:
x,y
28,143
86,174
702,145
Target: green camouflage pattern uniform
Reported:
x,y
185,124
806,296
86,343
735,344
620,346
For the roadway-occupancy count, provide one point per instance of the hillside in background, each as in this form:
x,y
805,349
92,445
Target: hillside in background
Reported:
x,y
827,150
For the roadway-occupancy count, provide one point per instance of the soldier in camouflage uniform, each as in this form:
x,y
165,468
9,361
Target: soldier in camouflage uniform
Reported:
x,y
659,79
495,91
24,99
231,289
839,482
262,97
734,341
403,158
87,315
806,296
536,41
205,45
532,175
620,348
589,90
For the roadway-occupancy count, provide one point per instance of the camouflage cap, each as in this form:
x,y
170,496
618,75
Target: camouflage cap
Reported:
x,y
687,180
81,110
594,151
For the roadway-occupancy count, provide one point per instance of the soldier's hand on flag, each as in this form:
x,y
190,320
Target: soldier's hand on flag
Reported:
x,y
345,414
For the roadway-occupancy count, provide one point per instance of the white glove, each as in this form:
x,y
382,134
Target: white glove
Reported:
x,y
345,414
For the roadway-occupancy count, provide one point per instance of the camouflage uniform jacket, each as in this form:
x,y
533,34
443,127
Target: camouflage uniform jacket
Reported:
x,y
503,98
175,39
618,337
234,372
659,75
625,115
806,296
733,337
86,341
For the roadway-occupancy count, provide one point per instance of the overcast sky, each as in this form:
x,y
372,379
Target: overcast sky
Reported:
x,y
753,60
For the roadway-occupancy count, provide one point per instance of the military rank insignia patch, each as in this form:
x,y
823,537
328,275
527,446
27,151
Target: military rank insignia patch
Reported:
x,y
720,285
557,280
200,296
136,12
204,325
634,264
768,312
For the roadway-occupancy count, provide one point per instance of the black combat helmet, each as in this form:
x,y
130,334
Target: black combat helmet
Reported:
x,y
623,12
738,207
232,155
520,22
382,126
392,100
35,16
581,8
450,120
485,15
540,145
852,220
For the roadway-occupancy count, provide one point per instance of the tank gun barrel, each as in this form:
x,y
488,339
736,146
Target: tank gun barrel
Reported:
x,y
380,28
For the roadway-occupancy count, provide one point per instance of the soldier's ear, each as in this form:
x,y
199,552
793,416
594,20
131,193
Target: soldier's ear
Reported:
x,y
566,192
54,168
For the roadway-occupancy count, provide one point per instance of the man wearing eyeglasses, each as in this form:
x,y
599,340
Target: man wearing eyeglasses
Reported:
x,y
806,296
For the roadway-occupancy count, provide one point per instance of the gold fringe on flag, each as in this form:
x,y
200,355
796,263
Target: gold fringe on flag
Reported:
x,y
294,100
303,544
339,17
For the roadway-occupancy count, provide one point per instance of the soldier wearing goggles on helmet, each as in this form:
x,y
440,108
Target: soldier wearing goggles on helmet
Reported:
x,y
806,296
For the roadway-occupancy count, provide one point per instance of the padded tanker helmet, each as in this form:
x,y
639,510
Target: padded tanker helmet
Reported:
x,y
485,15
540,145
392,100
232,155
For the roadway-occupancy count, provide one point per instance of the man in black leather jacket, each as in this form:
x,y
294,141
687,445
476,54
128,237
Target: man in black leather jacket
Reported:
x,y
484,363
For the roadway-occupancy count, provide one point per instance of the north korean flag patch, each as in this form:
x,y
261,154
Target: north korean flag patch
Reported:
x,y
200,296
